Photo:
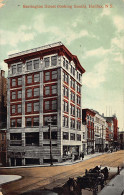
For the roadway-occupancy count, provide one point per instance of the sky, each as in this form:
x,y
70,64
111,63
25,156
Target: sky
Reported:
x,y
95,35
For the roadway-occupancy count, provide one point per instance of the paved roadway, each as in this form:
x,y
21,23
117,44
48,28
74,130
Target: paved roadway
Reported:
x,y
49,177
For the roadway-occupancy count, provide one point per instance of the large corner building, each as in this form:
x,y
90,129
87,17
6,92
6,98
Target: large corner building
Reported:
x,y
43,82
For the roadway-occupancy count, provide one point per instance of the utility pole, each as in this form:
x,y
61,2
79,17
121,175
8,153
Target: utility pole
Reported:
x,y
49,124
102,138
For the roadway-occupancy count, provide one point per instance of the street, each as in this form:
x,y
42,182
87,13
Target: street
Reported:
x,y
50,177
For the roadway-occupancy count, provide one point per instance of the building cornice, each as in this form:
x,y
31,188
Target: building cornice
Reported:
x,y
55,48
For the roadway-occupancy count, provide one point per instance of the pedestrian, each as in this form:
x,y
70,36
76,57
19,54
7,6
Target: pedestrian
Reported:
x,y
82,155
118,170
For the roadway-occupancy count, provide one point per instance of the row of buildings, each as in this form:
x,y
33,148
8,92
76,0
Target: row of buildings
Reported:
x,y
46,83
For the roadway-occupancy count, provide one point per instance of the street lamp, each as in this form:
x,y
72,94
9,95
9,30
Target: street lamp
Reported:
x,y
49,125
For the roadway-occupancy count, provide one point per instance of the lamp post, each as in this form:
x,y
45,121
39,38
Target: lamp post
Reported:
x,y
49,125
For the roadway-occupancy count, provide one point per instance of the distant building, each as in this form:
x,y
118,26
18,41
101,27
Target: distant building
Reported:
x,y
3,99
113,127
43,83
121,140
100,131
88,120
3,149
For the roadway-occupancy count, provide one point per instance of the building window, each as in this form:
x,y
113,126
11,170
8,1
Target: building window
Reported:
x,y
15,136
53,60
32,139
65,136
36,64
36,106
28,122
72,124
19,108
65,106
78,100
29,65
66,64
72,83
19,94
72,96
47,61
47,105
36,78
13,82
78,137
71,68
78,125
29,107
19,67
83,135
54,104
36,121
53,118
19,81
13,109
72,110
46,135
54,74
65,91
54,89
47,76
65,77
29,93
63,62
78,113
19,122
65,121
13,95
36,92
72,136
29,79
78,88
47,90
73,71
13,69
77,75
13,122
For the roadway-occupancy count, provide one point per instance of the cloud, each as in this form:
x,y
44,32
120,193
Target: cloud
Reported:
x,y
120,59
96,52
1,4
105,12
97,76
119,23
4,66
41,26
118,42
13,38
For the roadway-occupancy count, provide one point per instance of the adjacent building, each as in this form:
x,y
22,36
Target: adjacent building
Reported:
x,y
88,120
113,128
3,149
43,83
3,99
3,117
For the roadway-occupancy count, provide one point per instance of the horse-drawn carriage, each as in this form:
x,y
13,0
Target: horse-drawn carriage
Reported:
x,y
90,181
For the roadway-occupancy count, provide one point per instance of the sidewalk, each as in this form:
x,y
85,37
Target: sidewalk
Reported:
x,y
68,162
115,186
8,178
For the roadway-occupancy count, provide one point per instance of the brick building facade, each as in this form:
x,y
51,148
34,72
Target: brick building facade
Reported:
x,y
43,83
